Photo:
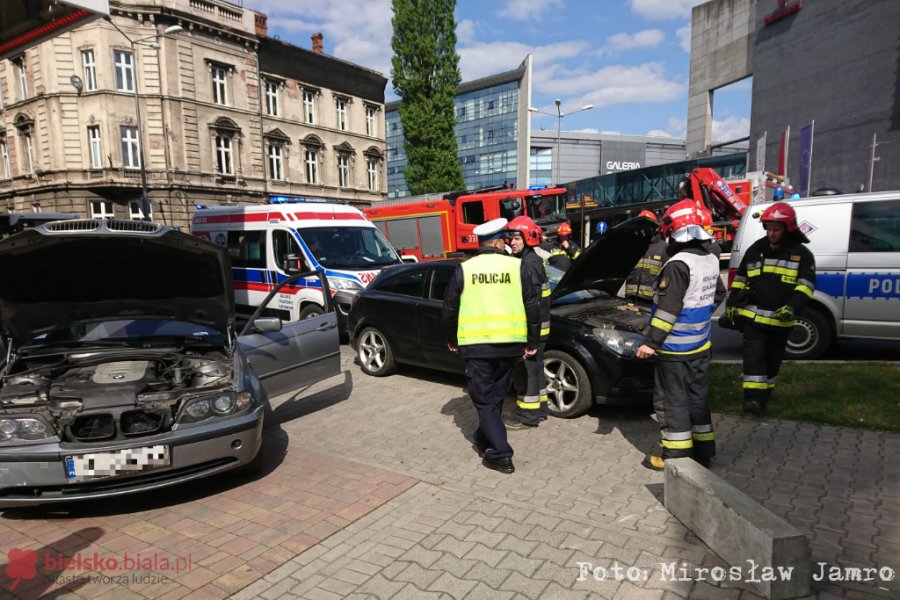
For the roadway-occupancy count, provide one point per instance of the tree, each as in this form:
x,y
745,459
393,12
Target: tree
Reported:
x,y
425,70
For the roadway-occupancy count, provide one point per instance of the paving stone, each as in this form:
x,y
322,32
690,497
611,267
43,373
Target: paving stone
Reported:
x,y
482,553
530,588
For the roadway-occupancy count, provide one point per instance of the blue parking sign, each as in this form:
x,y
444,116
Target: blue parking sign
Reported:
x,y
602,227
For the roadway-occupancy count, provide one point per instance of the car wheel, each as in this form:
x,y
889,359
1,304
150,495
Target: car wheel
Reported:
x,y
568,386
810,337
374,352
311,310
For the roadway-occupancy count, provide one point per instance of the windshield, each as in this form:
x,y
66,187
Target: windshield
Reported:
x,y
553,277
511,208
349,247
550,208
129,331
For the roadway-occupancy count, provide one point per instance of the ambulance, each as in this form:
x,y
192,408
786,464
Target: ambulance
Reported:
x,y
268,243
855,239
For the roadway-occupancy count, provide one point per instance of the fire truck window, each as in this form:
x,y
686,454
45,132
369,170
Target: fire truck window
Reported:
x,y
432,239
875,227
283,245
511,208
408,283
247,249
440,277
402,234
473,212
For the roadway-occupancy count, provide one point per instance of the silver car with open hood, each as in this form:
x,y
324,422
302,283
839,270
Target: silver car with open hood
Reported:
x,y
122,370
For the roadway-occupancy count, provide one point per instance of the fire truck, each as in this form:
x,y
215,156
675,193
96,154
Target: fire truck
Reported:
x,y
438,226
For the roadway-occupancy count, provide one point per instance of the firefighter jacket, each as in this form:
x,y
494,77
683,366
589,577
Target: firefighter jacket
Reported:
x,y
640,281
769,278
685,295
534,264
560,257
490,307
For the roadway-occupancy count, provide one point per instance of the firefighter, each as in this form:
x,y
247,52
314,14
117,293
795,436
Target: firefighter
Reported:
x,y
639,283
565,251
685,295
524,237
492,317
775,280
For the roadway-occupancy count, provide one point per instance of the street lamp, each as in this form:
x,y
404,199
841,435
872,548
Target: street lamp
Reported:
x,y
145,196
559,115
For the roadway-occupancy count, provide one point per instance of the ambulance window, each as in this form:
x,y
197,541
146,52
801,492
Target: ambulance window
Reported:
x,y
283,245
875,227
407,283
473,212
247,249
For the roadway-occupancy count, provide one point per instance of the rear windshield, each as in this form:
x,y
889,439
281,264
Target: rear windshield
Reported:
x,y
349,247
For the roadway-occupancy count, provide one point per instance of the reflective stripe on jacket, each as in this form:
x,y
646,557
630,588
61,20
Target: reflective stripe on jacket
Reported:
x,y
490,308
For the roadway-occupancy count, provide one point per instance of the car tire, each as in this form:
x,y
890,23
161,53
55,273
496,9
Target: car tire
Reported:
x,y
311,310
569,391
374,352
811,336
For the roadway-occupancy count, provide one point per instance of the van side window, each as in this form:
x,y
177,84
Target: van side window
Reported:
x,y
247,249
284,245
875,227
473,212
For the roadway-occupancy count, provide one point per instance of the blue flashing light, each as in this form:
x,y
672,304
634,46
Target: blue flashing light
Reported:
x,y
297,200
200,206
537,187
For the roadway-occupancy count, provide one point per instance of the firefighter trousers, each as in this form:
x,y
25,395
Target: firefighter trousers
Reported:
x,y
763,352
680,399
489,380
532,408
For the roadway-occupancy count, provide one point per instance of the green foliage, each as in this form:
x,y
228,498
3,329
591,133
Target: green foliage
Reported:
x,y
425,71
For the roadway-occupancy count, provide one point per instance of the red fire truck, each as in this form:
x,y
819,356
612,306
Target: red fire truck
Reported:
x,y
440,225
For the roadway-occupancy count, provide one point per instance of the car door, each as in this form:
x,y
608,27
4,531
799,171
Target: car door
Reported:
x,y
392,305
300,353
432,337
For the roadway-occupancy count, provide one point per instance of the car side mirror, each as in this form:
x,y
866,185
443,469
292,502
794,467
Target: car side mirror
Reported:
x,y
267,324
294,264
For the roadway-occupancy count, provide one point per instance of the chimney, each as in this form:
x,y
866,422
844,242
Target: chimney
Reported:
x,y
317,45
262,29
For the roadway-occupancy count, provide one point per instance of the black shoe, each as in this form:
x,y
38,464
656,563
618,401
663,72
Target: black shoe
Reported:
x,y
704,462
503,465
753,407
516,425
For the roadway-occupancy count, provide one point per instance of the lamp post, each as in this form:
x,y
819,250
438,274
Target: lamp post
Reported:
x,y
145,195
559,115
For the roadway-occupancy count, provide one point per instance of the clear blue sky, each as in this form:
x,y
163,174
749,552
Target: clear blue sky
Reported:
x,y
629,58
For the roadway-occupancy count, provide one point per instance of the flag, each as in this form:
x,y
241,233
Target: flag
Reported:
x,y
783,152
806,149
761,153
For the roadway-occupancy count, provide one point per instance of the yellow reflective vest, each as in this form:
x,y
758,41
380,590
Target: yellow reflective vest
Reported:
x,y
491,310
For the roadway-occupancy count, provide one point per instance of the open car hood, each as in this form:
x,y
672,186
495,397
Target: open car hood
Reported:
x,y
89,270
607,261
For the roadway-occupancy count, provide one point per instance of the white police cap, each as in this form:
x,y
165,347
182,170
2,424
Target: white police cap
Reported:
x,y
494,228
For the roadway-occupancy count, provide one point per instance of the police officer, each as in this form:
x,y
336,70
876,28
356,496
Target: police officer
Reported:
x,y
524,237
563,253
492,317
685,295
639,283
775,280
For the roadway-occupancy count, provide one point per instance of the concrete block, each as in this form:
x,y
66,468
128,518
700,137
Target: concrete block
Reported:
x,y
765,552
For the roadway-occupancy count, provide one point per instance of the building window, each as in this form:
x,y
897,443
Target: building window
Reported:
x,y
461,112
131,150
371,122
136,214
272,98
490,105
96,146
372,172
21,75
90,70
124,62
219,80
309,106
276,161
1,94
102,209
4,160
312,165
341,114
224,164
29,151
343,165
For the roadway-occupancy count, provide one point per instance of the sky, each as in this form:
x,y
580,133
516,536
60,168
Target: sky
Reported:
x,y
630,59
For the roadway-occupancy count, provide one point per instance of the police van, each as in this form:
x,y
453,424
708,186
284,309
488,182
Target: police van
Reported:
x,y
267,243
856,242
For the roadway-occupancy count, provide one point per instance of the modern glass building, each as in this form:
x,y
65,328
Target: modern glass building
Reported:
x,y
492,132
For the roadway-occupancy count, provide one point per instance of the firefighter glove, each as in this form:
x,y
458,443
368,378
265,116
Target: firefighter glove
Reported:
x,y
731,313
785,313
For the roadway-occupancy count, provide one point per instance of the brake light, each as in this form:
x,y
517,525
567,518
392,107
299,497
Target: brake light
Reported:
x,y
731,274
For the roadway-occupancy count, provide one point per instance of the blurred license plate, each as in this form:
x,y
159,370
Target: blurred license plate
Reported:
x,y
119,462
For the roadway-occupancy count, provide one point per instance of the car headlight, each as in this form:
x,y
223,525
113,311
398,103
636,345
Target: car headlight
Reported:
x,y
623,343
220,405
24,428
340,283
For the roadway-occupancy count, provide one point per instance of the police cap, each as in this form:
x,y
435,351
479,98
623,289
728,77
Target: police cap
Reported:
x,y
495,228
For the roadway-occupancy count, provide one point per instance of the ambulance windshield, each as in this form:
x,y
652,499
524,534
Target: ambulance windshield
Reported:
x,y
349,247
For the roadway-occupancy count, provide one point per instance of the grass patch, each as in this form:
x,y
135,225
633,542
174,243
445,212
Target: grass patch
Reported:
x,y
847,395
